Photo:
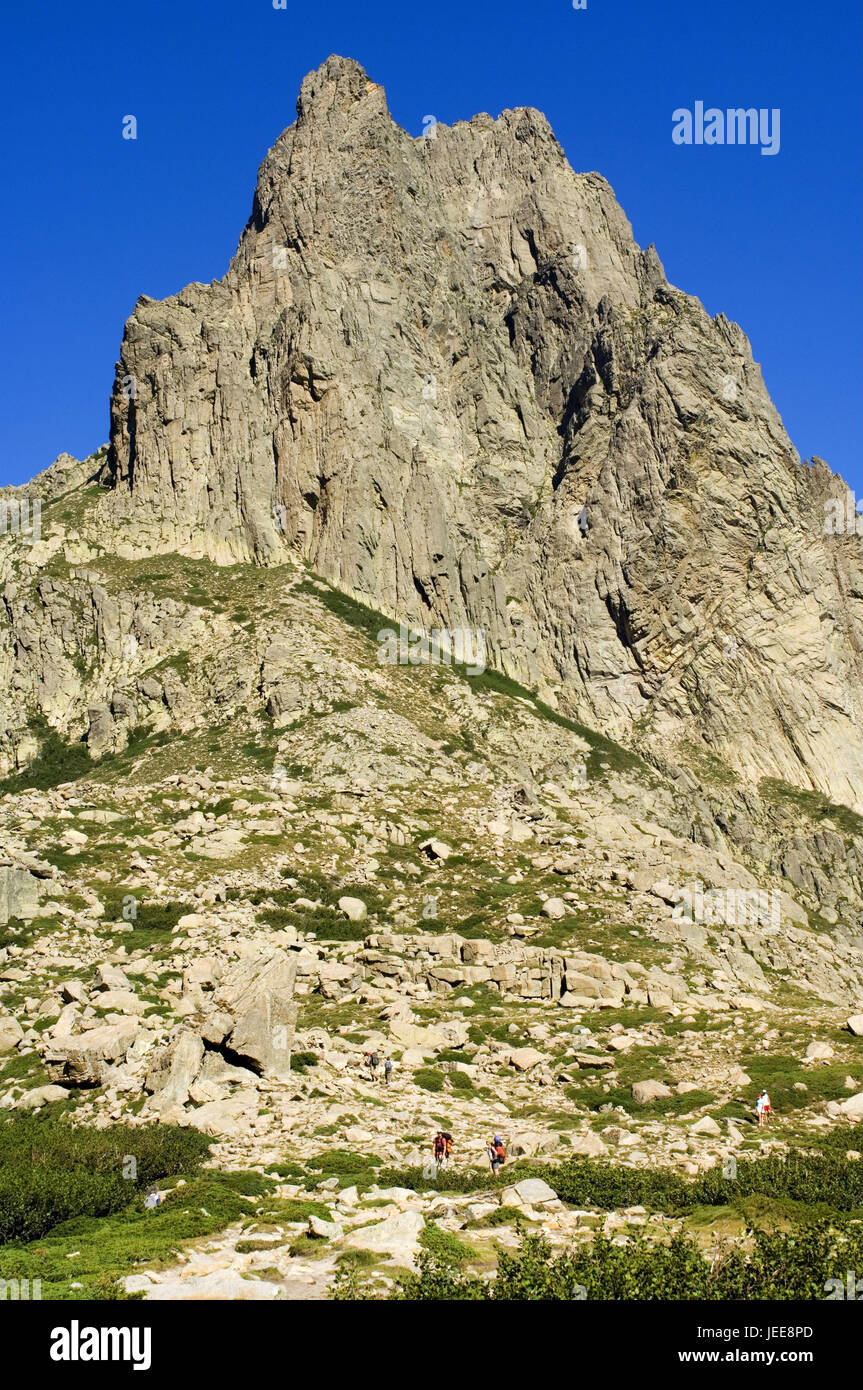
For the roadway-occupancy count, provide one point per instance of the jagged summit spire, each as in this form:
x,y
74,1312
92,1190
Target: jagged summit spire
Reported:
x,y
335,86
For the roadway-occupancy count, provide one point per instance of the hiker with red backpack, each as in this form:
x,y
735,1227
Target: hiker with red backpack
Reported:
x,y
496,1154
439,1150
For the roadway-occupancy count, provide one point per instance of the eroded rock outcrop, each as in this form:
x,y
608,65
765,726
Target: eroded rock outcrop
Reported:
x,y
442,370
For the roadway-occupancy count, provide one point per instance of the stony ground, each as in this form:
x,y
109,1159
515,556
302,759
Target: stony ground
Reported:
x,y
289,855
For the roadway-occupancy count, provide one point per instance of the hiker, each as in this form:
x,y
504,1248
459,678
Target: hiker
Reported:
x,y
765,1106
439,1150
373,1064
388,1070
447,1153
496,1154
760,1108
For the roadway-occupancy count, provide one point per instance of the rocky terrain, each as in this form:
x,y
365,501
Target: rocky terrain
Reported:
x,y
239,851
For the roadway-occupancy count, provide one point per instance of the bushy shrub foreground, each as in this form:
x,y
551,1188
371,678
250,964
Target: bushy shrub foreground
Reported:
x,y
52,1171
787,1266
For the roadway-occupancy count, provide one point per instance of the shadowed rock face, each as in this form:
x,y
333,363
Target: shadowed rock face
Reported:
x,y
442,371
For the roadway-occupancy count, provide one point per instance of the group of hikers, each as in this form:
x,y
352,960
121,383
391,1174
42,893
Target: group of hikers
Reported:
x,y
373,1061
494,1148
442,1146
442,1151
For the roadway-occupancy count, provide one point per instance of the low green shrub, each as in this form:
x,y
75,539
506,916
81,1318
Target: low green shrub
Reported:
x,y
351,1169
143,915
52,1171
449,1180
342,1161
429,1079
810,1179
460,1081
325,923
779,1266
56,761
445,1246
301,1061
111,1246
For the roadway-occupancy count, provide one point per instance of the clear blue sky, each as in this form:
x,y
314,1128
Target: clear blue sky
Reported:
x,y
91,220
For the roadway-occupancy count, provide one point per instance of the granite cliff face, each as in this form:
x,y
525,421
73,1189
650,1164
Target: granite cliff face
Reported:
x,y
443,372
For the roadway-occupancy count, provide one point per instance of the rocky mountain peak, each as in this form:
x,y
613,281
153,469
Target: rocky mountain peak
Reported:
x,y
441,372
333,90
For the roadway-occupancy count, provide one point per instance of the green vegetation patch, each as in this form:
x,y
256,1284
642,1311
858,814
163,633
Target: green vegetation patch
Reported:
x,y
57,761
604,754
429,1079
351,1169
445,1246
96,1251
813,805
778,1266
780,1074
52,1171
142,914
